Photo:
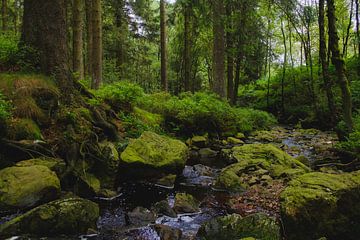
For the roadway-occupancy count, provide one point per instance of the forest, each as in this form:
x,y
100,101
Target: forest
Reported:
x,y
180,120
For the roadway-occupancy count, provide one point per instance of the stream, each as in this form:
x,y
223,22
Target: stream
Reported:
x,y
196,180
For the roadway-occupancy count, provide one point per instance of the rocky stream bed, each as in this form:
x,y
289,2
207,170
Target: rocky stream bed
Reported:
x,y
226,184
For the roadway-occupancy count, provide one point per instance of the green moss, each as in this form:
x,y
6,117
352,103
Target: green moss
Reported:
x,y
321,204
155,151
252,159
185,203
54,164
66,216
22,187
257,226
155,120
24,129
33,96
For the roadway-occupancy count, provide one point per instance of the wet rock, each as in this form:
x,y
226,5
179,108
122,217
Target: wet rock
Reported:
x,y
87,185
167,233
207,153
22,187
199,141
257,226
61,217
257,160
151,156
167,181
54,164
163,208
234,141
141,216
318,204
186,203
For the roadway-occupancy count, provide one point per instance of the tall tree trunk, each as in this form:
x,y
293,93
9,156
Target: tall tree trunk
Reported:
x,y
237,78
122,29
78,59
4,13
97,44
284,69
324,62
187,47
44,29
219,48
230,57
89,37
339,64
163,46
345,46
357,27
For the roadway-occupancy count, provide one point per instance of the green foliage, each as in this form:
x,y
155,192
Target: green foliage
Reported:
x,y
17,57
352,142
204,112
121,95
5,108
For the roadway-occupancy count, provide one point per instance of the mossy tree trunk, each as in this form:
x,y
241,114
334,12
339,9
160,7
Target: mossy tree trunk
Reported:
x,y
230,53
97,44
339,64
78,20
324,63
44,28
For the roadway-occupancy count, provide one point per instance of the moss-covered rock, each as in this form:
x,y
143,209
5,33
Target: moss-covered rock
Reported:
x,y
23,129
199,141
257,160
151,119
185,203
22,187
54,164
234,141
317,204
106,168
258,226
66,216
152,155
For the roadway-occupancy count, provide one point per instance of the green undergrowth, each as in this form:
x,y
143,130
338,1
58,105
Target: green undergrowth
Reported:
x,y
185,114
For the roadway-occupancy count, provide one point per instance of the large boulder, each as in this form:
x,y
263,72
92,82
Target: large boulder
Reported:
x,y
153,156
22,187
66,216
258,226
317,204
258,164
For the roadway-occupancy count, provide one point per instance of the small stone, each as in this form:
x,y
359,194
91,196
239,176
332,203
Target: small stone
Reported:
x,y
207,153
185,203
167,181
234,141
141,216
167,233
199,141
240,135
163,208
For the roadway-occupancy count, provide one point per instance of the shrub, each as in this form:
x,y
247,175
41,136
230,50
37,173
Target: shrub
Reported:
x,y
121,96
204,112
352,143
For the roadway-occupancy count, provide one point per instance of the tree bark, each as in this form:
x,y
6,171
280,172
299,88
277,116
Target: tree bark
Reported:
x,y
230,55
345,46
89,37
324,63
339,64
97,44
357,26
4,10
44,29
284,69
187,47
218,49
163,46
78,20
